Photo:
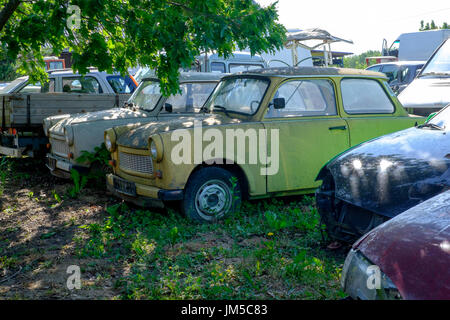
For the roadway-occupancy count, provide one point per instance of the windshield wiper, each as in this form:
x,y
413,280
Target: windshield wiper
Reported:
x,y
221,108
443,74
432,126
204,109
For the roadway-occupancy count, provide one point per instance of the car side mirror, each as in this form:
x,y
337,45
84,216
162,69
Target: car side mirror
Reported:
x,y
168,107
279,103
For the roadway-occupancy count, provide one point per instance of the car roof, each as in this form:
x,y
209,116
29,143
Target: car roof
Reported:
x,y
399,63
196,76
311,71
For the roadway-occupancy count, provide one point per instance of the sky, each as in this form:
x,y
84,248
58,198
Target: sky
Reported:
x,y
364,22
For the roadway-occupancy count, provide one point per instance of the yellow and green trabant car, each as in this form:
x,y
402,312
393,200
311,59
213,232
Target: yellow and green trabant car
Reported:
x,y
268,132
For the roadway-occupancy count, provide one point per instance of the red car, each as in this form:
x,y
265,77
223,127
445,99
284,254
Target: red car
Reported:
x,y
407,257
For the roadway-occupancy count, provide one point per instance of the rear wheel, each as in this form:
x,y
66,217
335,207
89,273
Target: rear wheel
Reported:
x,y
211,194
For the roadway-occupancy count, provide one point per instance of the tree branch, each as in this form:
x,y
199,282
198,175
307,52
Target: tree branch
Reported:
x,y
8,11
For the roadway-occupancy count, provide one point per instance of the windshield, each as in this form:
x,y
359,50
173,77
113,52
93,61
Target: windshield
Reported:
x,y
238,95
442,119
146,95
191,98
440,63
12,85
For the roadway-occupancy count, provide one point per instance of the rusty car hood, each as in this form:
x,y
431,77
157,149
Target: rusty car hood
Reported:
x,y
413,249
104,115
138,138
392,173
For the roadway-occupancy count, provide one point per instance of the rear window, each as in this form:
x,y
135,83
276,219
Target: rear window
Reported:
x,y
81,85
239,67
391,71
363,96
218,67
374,68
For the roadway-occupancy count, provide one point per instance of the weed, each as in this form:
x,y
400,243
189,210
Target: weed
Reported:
x,y
245,256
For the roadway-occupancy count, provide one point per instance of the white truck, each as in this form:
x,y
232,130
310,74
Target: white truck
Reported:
x,y
24,105
415,46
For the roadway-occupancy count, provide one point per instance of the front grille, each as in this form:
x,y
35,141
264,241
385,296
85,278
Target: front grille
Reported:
x,y
59,147
136,163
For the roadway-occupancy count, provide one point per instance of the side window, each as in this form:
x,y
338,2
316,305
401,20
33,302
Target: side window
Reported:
x,y
81,85
361,96
239,67
193,96
218,67
305,98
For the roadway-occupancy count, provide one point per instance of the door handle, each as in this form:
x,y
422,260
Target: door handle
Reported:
x,y
338,128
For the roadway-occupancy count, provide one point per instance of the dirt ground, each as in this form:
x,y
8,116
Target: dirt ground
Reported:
x,y
37,237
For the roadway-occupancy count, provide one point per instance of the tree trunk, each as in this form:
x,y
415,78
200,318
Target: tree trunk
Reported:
x,y
7,12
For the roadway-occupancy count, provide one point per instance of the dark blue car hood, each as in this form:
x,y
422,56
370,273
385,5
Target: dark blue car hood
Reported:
x,y
390,174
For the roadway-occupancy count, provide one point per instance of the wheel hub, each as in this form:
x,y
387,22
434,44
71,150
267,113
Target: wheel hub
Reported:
x,y
213,199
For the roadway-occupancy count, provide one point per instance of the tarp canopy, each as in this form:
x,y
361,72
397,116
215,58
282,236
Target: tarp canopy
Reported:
x,y
312,34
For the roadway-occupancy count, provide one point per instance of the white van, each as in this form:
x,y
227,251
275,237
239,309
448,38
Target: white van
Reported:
x,y
236,62
430,91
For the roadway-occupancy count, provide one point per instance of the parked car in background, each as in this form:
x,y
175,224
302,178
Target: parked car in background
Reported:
x,y
94,82
237,62
399,73
212,62
298,110
25,105
377,180
430,90
70,136
407,257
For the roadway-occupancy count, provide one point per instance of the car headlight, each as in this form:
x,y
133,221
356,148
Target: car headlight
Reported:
x,y
68,132
155,146
110,140
361,279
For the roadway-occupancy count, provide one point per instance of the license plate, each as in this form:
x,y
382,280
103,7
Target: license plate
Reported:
x,y
124,186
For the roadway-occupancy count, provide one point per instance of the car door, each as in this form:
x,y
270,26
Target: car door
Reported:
x,y
369,110
310,132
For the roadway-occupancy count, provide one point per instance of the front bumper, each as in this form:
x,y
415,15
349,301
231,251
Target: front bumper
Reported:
x,y
139,194
61,167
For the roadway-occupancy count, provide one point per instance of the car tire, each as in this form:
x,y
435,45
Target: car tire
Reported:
x,y
211,194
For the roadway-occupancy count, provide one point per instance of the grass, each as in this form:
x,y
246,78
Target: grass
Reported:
x,y
269,250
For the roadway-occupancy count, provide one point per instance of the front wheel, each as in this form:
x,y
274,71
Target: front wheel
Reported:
x,y
211,194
